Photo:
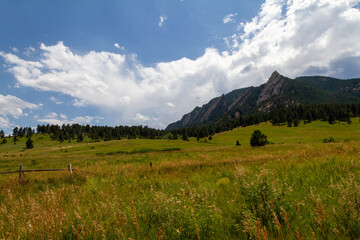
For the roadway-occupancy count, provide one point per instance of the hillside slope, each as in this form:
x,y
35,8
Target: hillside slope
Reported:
x,y
278,91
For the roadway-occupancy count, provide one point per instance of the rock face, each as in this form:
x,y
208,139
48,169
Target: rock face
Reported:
x,y
241,99
278,91
272,87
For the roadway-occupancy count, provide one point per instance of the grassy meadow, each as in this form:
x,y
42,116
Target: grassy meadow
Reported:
x,y
297,187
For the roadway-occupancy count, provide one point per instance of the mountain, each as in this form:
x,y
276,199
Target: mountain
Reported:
x,y
278,91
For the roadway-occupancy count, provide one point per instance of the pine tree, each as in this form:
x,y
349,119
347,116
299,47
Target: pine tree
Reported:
x,y
258,139
2,134
331,119
29,143
185,136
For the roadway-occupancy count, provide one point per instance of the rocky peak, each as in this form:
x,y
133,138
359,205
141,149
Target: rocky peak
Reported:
x,y
272,87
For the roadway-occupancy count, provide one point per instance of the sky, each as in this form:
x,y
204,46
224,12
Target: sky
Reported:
x,y
149,62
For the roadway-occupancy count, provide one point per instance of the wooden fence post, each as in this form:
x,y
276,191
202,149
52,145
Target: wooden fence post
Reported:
x,y
70,169
20,173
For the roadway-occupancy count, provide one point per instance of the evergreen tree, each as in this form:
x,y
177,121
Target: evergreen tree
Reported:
x,y
2,134
29,143
331,119
185,135
296,122
61,137
29,132
258,139
15,131
80,137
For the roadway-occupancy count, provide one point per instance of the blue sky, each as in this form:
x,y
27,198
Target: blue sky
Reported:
x,y
149,62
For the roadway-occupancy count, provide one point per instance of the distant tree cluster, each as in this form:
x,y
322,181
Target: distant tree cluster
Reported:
x,y
326,112
96,133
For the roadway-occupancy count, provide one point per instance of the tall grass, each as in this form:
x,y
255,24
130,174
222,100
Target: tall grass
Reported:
x,y
283,191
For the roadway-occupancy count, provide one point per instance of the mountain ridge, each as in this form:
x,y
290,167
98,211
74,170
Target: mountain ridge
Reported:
x,y
278,91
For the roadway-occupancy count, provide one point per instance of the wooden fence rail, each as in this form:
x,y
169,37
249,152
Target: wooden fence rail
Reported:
x,y
21,171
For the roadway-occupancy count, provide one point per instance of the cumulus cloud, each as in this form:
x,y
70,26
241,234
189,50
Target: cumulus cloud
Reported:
x,y
56,101
163,18
170,104
141,118
79,103
60,119
29,50
293,37
229,18
14,107
119,47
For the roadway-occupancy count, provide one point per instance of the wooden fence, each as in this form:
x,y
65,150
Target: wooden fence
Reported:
x,y
22,171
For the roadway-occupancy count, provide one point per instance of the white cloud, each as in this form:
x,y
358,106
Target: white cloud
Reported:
x,y
141,118
79,103
303,37
14,49
56,101
14,107
60,119
229,18
29,50
163,18
119,47
5,123
84,120
170,104
125,99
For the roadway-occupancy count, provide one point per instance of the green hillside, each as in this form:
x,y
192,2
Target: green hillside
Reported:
x,y
278,92
297,187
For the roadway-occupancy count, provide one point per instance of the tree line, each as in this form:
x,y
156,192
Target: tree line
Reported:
x,y
291,116
80,132
98,133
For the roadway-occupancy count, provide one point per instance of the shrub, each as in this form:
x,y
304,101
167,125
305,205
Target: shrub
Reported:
x,y
258,139
170,136
238,143
328,140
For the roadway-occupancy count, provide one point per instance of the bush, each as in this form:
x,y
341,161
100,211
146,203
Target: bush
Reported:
x,y
258,139
238,143
170,136
328,140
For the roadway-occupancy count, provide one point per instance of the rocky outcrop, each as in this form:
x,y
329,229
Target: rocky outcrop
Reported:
x,y
240,100
272,87
217,108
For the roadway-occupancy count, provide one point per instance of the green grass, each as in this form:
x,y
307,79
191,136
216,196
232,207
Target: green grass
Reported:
x,y
295,188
